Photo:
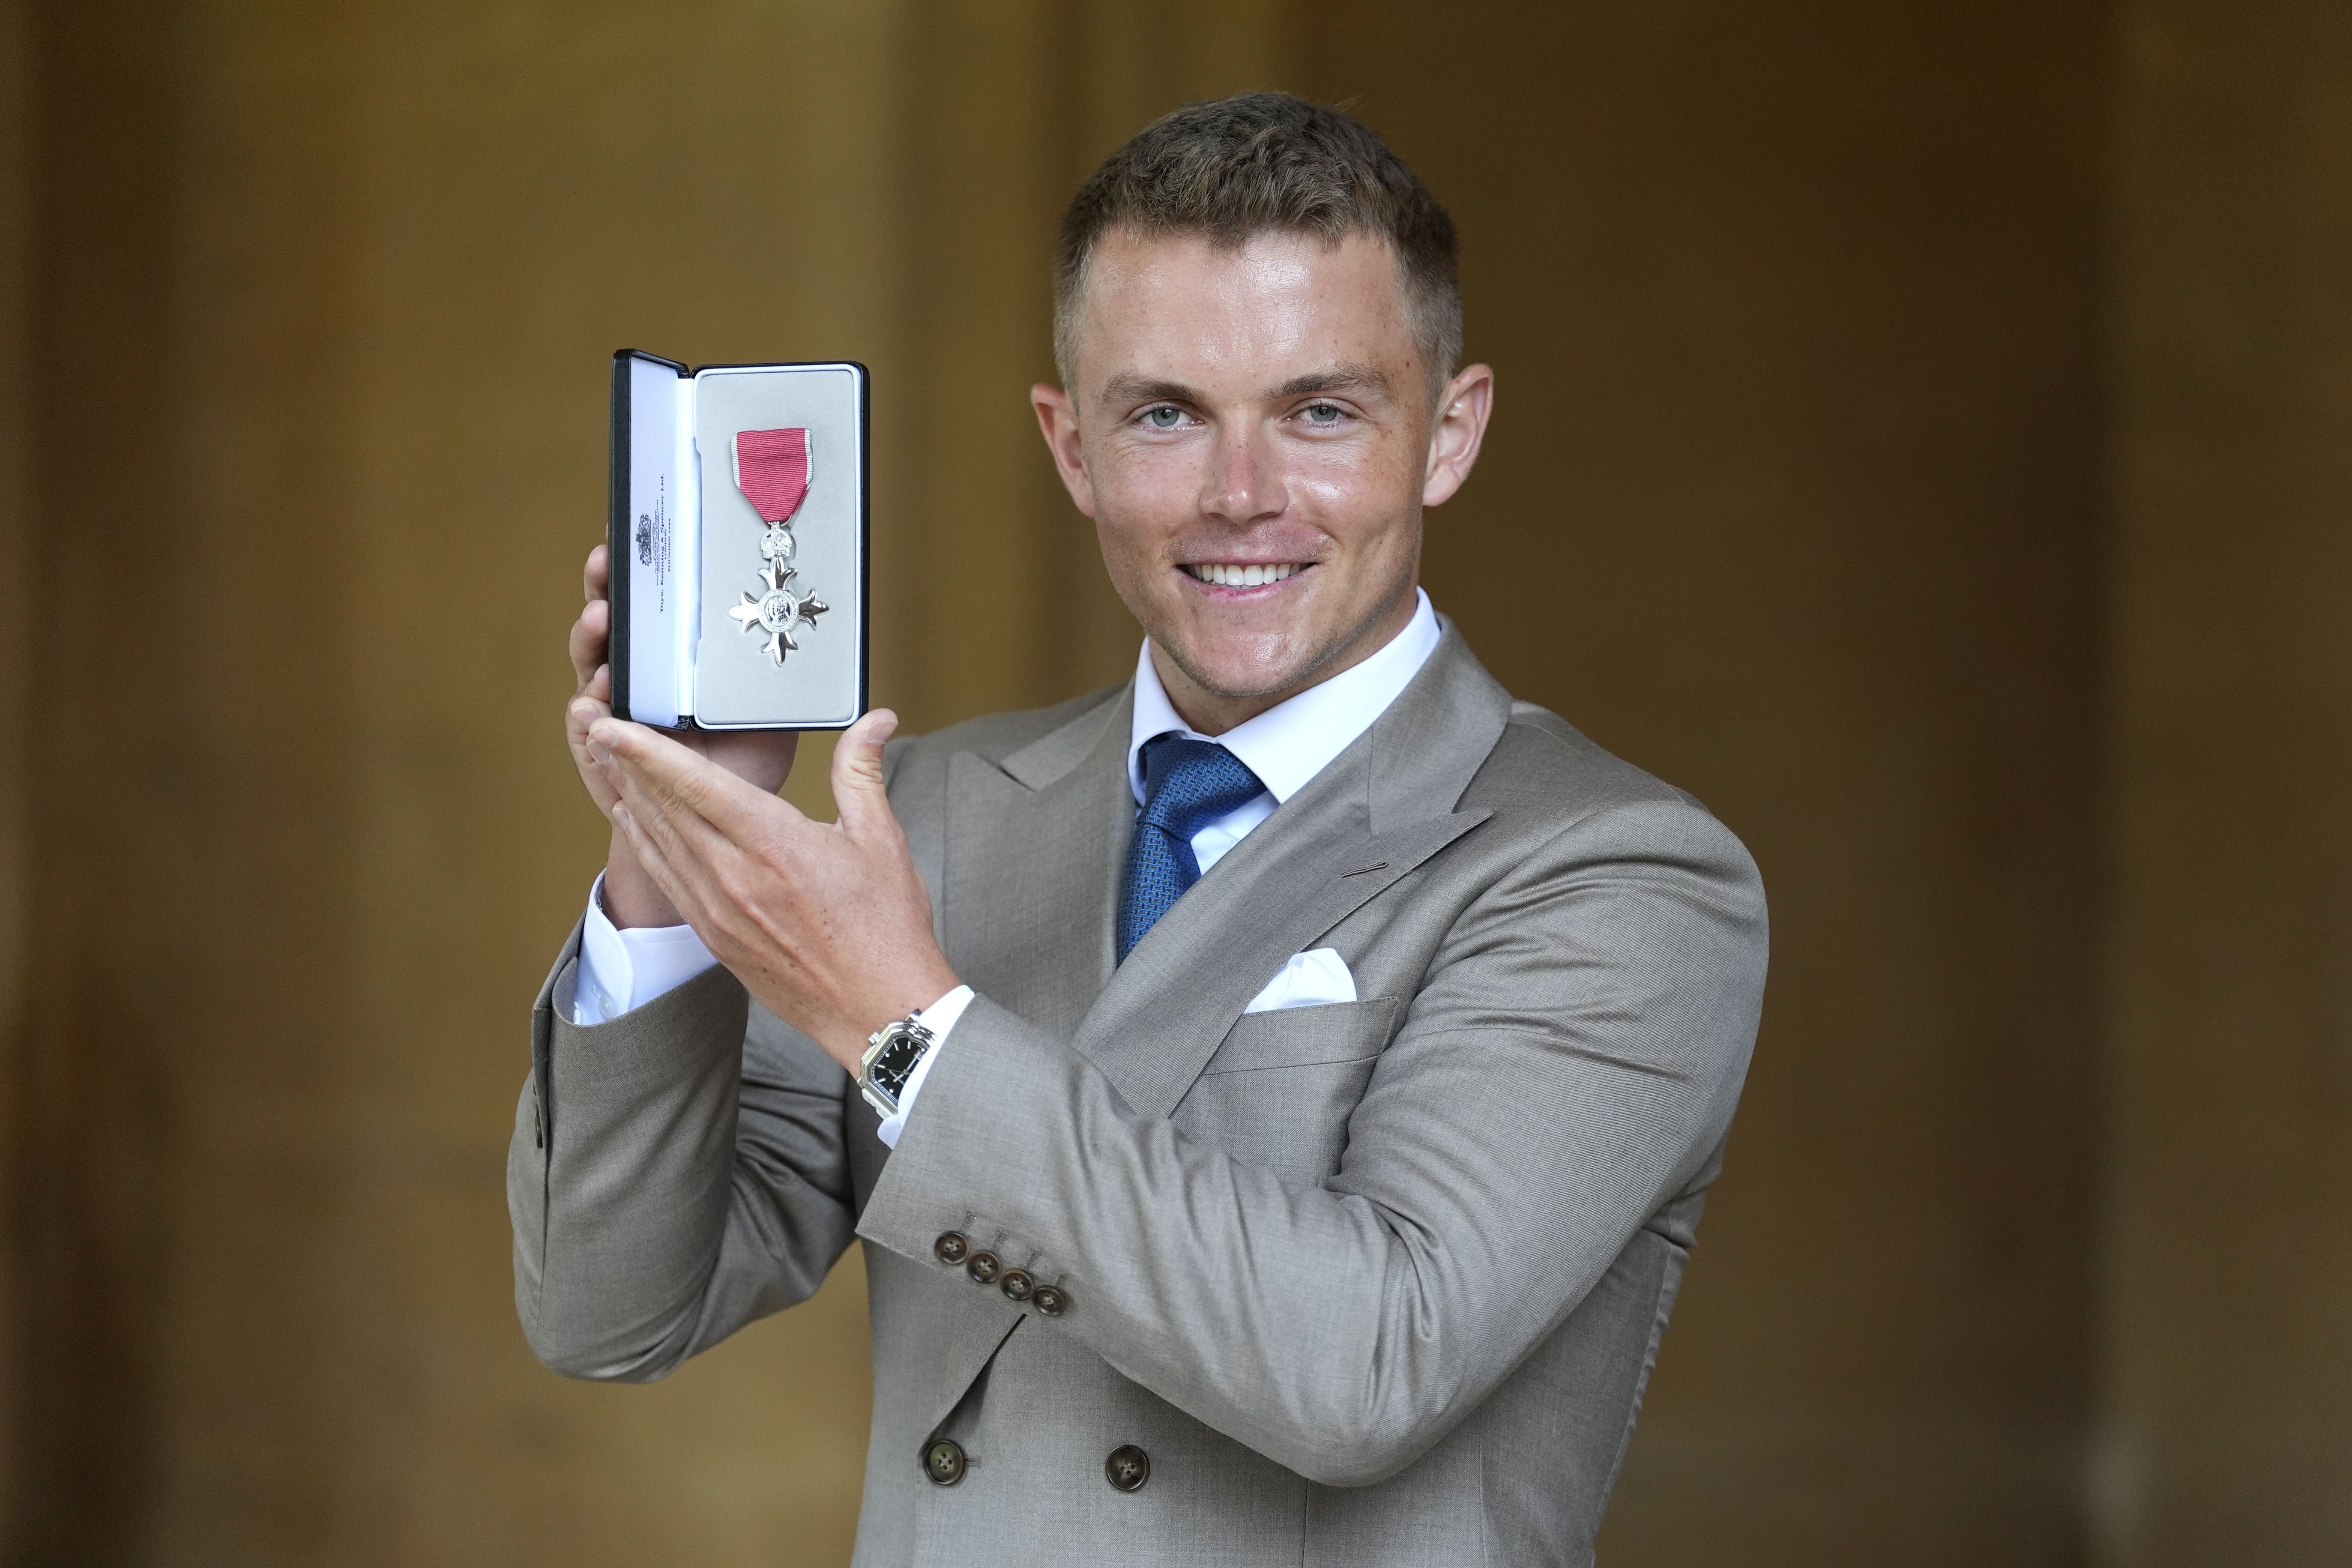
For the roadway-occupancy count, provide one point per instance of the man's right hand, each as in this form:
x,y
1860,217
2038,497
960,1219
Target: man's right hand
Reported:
x,y
760,757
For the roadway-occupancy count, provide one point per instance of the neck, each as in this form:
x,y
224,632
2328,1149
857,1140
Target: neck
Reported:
x,y
1212,712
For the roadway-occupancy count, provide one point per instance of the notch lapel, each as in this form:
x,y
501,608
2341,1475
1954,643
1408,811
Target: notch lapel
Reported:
x,y
1177,996
1033,854
1380,809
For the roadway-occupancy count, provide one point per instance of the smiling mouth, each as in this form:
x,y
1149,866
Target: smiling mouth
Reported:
x,y
1231,574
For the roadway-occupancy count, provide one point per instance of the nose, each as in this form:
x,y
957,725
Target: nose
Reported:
x,y
1244,481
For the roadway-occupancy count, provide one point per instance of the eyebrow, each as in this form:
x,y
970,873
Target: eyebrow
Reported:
x,y
1124,389
1143,389
1338,378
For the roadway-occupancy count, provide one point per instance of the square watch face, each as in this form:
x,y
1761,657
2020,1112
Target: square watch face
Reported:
x,y
899,1057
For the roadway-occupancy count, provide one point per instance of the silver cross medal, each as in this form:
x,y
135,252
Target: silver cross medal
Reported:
x,y
776,612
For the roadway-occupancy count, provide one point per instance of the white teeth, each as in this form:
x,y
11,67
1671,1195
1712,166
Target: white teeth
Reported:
x,y
1225,575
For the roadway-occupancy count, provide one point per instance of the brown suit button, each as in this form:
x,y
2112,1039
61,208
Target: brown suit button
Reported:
x,y
982,1266
1016,1285
943,1462
1049,1301
951,1247
1127,1467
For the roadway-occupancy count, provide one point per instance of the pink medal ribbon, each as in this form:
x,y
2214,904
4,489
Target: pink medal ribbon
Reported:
x,y
771,469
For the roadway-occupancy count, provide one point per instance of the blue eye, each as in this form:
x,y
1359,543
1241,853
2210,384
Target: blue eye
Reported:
x,y
1323,412
1164,418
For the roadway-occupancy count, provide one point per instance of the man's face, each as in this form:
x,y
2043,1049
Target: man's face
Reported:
x,y
1252,433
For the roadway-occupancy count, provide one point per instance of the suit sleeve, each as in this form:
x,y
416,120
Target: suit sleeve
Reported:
x,y
1568,1067
675,1173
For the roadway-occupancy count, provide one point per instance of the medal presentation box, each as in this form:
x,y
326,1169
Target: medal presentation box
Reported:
x,y
737,540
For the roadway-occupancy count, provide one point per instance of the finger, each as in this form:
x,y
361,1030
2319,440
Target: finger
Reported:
x,y
596,577
663,808
594,773
666,770
683,896
684,778
689,847
857,790
590,636
681,796
582,712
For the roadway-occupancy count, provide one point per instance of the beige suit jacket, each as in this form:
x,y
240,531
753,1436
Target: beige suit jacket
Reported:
x,y
1372,1283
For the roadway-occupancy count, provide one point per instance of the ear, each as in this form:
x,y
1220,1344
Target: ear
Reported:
x,y
1057,418
1459,429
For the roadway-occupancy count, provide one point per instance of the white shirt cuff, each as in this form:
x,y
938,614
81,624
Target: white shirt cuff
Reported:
x,y
621,970
939,1018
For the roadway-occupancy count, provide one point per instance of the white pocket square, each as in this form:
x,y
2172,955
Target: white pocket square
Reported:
x,y
1313,979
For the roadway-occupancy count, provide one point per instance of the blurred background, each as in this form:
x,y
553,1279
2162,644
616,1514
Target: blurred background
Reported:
x,y
1922,432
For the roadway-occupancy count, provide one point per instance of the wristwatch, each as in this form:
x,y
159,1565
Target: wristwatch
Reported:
x,y
891,1053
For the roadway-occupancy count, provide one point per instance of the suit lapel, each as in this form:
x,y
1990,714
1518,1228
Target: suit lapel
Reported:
x,y
1177,996
1032,855
1378,810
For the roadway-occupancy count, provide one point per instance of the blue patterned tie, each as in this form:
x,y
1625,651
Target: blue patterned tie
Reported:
x,y
1187,785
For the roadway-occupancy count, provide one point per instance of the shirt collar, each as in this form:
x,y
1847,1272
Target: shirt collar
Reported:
x,y
1293,741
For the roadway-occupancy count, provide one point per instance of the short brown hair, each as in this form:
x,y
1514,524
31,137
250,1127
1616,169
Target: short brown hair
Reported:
x,y
1238,167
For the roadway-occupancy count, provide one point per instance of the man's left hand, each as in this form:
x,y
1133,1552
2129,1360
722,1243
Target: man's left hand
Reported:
x,y
828,925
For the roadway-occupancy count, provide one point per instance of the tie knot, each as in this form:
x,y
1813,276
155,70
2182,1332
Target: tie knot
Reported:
x,y
1188,784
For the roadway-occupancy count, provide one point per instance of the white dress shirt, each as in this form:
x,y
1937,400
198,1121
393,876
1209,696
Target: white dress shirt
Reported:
x,y
1285,746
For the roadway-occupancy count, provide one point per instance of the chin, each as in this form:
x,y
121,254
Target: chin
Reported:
x,y
1243,672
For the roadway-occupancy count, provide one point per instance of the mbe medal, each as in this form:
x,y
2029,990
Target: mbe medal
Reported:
x,y
771,469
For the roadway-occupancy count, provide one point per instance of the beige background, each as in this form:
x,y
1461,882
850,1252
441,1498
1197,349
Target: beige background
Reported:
x,y
1923,433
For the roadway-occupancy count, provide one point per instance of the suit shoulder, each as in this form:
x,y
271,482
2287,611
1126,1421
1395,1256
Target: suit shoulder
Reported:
x,y
1545,781
994,736
1546,767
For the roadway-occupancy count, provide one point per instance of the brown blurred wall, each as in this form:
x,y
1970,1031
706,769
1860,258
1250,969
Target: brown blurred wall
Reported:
x,y
2226,1338
1918,435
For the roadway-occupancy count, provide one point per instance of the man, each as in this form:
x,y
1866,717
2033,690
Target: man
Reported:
x,y
1311,1062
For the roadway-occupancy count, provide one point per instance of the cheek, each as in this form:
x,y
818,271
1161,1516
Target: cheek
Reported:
x,y
1142,496
1122,551
1358,493
1146,480
1131,550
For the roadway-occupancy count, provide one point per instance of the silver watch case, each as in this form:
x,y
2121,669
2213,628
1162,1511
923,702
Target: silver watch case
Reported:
x,y
891,1053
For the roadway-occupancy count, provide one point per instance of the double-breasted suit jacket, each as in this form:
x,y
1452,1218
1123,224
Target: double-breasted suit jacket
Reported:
x,y
1376,1282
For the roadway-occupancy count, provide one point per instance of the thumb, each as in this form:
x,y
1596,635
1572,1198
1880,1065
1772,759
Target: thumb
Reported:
x,y
858,791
